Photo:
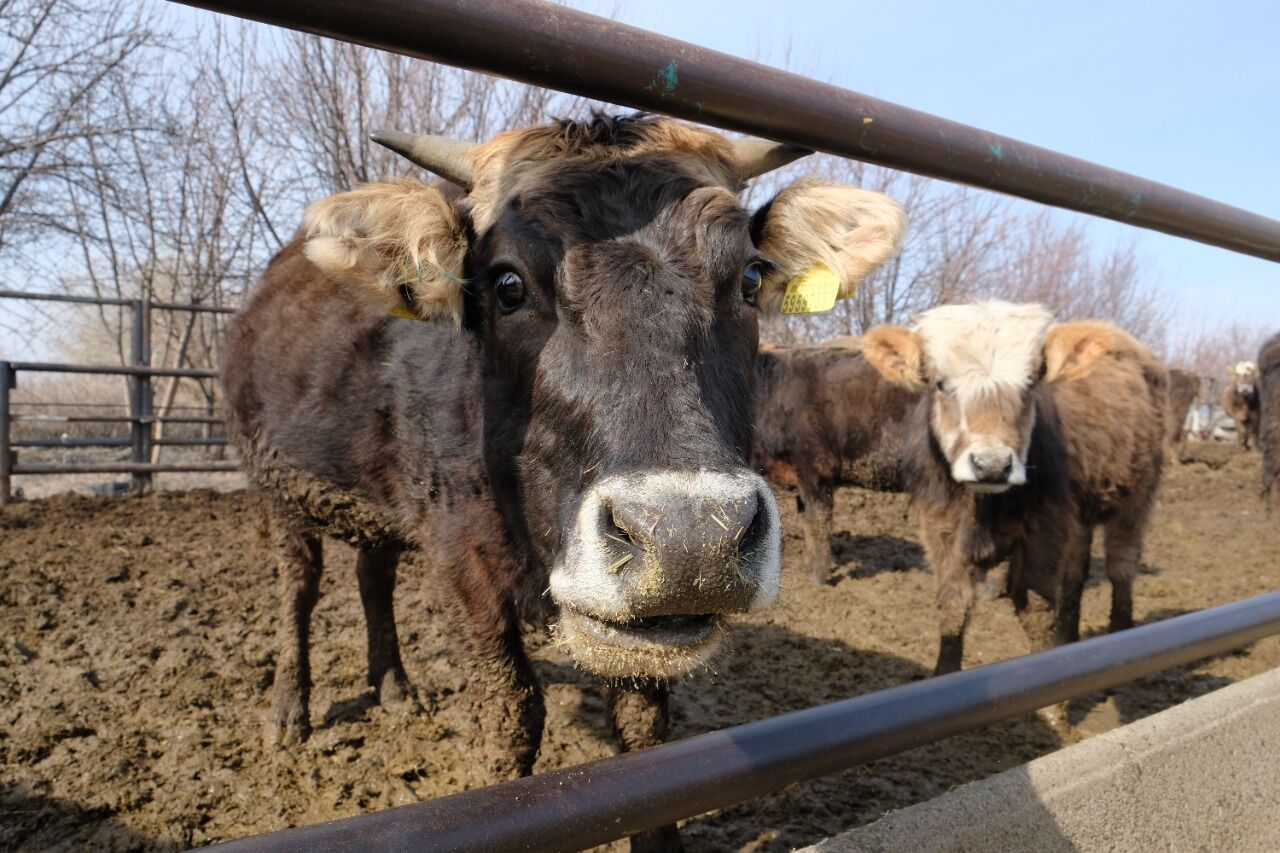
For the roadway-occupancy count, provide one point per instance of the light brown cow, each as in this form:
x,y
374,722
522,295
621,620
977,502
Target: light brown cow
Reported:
x,y
1031,434
1240,400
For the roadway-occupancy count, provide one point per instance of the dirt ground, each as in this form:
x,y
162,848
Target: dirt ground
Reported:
x,y
136,658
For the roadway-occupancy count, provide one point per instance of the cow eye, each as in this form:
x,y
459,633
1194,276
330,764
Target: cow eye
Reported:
x,y
510,290
752,277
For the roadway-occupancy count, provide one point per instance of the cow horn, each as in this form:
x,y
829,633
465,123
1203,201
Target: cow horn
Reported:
x,y
448,158
757,156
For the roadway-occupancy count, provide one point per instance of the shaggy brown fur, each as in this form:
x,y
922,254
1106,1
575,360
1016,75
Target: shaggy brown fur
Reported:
x,y
1269,419
1241,402
1184,388
826,418
627,352
1094,458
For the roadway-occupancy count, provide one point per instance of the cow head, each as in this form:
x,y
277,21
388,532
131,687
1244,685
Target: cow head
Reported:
x,y
613,282
980,366
1243,377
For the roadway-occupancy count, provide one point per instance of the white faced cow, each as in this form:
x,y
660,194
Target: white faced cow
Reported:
x,y
1026,436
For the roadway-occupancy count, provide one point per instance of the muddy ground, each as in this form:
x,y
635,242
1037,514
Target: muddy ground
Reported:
x,y
136,658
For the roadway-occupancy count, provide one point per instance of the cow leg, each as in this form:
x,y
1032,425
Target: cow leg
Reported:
x,y
1075,571
507,698
299,561
1035,612
376,573
815,505
1124,549
639,715
954,578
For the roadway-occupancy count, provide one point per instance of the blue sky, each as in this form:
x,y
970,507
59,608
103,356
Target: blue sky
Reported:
x,y
1186,93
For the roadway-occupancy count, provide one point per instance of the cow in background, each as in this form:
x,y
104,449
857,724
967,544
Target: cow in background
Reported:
x,y
1026,436
826,418
1184,388
562,422
1241,402
1269,418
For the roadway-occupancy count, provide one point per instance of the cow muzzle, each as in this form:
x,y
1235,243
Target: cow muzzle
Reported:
x,y
656,562
989,468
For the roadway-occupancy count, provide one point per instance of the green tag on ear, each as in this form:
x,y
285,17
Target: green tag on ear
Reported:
x,y
403,313
812,291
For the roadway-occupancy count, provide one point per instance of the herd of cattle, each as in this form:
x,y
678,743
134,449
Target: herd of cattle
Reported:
x,y
574,429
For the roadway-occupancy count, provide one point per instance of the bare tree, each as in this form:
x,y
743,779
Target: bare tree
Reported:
x,y
55,55
328,96
1208,351
1058,266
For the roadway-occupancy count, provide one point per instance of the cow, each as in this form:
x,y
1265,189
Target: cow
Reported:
x,y
1240,401
826,418
1184,388
1269,418
558,416
1025,437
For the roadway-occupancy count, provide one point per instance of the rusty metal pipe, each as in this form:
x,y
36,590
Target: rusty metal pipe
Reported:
x,y
124,467
548,45
103,300
113,370
594,803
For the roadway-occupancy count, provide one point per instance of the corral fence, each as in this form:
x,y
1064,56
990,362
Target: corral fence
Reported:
x,y
548,45
142,417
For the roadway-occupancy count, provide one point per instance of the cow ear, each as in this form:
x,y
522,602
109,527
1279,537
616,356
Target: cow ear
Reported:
x,y
1072,349
400,244
895,351
849,230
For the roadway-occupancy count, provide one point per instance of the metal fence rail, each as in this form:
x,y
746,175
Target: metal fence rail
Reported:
x,y
594,803
112,300
141,418
548,45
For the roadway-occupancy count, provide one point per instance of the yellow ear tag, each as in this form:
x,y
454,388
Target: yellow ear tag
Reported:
x,y
812,291
403,313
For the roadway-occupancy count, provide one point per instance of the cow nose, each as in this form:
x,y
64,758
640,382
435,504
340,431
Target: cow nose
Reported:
x,y
672,544
667,529
993,465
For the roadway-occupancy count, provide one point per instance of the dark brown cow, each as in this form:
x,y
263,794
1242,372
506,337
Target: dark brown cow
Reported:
x,y
569,428
1025,438
1184,388
826,418
1269,418
1240,400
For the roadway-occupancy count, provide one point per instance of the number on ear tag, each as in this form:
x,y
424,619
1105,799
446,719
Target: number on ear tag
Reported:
x,y
812,291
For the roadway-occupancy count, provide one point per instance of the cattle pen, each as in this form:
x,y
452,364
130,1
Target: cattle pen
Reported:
x,y
543,44
141,417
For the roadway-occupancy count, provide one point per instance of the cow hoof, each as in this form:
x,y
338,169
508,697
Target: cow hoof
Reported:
x,y
289,732
506,768
821,577
396,694
664,839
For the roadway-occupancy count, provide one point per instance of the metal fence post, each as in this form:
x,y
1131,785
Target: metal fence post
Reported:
x,y
6,458
140,395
